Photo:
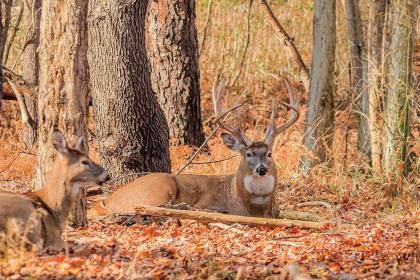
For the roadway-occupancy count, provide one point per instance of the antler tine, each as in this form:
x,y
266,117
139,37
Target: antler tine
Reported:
x,y
272,123
272,130
220,114
294,106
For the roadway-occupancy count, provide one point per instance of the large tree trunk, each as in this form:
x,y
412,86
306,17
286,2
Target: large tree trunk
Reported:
x,y
400,89
377,13
175,76
30,60
358,69
320,116
62,98
131,129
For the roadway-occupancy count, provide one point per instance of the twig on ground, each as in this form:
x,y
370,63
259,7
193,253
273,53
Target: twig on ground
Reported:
x,y
314,203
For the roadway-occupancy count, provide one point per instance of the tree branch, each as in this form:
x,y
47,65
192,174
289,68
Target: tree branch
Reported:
x,y
288,43
211,217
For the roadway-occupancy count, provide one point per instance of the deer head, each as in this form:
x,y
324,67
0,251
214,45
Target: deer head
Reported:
x,y
257,155
75,166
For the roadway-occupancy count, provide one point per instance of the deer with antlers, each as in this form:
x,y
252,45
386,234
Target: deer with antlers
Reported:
x,y
248,192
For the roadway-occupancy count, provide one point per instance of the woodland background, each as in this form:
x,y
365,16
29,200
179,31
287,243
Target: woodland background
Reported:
x,y
378,210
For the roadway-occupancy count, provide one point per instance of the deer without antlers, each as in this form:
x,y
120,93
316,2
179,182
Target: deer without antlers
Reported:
x,y
37,218
248,192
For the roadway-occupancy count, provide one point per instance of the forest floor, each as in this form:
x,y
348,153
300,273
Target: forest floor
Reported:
x,y
374,233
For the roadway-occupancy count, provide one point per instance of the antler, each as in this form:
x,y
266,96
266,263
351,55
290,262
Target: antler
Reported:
x,y
220,113
272,130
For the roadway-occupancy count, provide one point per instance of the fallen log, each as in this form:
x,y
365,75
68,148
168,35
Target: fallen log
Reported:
x,y
211,217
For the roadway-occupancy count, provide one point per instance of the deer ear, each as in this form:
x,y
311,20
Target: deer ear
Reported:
x,y
80,144
60,142
232,142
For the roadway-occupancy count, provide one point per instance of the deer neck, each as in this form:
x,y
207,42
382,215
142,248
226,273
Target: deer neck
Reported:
x,y
54,195
251,189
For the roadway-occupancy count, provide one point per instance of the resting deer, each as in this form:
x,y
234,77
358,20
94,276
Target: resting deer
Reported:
x,y
248,192
38,217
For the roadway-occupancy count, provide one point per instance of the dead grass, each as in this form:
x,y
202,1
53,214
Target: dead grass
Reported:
x,y
376,220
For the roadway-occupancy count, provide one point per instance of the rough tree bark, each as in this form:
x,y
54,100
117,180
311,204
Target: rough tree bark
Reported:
x,y
320,117
173,51
375,38
131,129
358,71
400,89
62,98
30,60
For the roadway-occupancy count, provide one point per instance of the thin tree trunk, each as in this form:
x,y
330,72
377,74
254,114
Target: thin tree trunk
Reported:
x,y
358,67
131,129
31,18
377,13
62,98
400,89
320,117
5,15
175,76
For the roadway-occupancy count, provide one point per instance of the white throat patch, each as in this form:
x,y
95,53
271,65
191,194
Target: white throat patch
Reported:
x,y
259,185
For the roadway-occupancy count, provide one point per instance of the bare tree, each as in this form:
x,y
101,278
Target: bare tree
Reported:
x,y
400,85
320,117
375,38
131,129
358,72
175,76
62,79
30,58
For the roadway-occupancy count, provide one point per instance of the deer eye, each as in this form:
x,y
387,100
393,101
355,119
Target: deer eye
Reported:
x,y
269,154
248,154
86,162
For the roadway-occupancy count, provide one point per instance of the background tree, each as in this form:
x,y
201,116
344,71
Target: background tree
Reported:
x,y
5,15
131,129
400,85
320,117
30,58
62,79
358,74
175,76
375,52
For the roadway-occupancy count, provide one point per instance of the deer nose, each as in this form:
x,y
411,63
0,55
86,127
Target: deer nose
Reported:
x,y
262,170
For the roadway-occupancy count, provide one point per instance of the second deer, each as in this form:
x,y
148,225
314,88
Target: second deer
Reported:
x,y
37,218
249,192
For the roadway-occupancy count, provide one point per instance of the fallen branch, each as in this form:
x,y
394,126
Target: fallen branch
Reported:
x,y
298,215
210,217
314,203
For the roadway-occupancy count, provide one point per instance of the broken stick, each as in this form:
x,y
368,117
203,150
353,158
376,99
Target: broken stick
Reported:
x,y
210,217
